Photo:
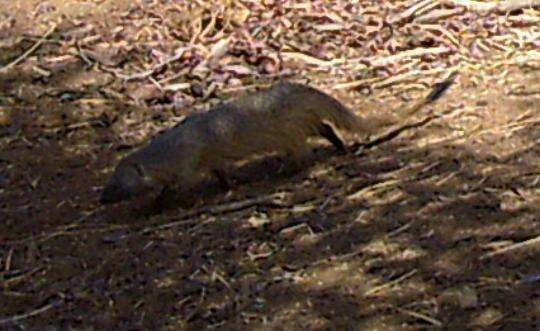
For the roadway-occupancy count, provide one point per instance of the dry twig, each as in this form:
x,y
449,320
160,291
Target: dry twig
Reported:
x,y
396,281
272,199
500,6
420,316
534,242
30,50
37,311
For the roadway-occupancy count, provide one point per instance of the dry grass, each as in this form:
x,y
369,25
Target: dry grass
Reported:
x,y
437,227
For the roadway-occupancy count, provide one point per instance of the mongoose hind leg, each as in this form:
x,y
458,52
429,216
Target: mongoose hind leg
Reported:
x,y
327,132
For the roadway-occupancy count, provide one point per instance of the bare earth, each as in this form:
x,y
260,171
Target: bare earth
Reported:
x,y
437,228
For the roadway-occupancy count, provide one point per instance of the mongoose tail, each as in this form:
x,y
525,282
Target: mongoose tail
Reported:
x,y
438,90
436,93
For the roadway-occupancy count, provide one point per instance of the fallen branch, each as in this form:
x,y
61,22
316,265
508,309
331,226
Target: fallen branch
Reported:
x,y
391,283
69,229
272,199
357,83
18,277
74,229
411,76
491,6
511,248
420,316
154,69
409,54
511,5
19,317
439,14
309,59
407,14
30,50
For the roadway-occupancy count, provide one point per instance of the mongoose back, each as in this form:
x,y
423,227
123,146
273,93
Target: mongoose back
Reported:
x,y
279,119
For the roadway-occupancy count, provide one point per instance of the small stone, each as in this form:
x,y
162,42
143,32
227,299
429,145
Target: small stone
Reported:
x,y
306,240
487,317
5,117
259,219
481,103
240,15
197,90
269,66
146,92
464,297
295,231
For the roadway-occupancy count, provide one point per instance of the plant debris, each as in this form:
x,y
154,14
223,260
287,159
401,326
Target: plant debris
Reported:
x,y
434,225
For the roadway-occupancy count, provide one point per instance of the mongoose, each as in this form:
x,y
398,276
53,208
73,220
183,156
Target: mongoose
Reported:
x,y
278,119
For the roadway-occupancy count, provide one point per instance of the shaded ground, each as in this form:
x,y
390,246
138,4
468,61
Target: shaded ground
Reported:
x,y
416,233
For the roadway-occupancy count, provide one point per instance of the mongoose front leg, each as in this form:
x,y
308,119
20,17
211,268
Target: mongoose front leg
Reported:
x,y
327,132
295,160
224,183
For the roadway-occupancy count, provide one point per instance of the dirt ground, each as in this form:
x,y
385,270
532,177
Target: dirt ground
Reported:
x,y
437,228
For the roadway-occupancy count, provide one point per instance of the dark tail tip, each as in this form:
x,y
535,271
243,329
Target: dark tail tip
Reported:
x,y
440,88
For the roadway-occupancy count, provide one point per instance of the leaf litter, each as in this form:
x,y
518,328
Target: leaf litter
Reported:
x,y
435,227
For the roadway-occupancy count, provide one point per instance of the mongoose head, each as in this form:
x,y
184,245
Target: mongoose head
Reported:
x,y
128,180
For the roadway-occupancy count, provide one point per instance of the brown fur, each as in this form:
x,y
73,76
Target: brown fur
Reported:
x,y
279,119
